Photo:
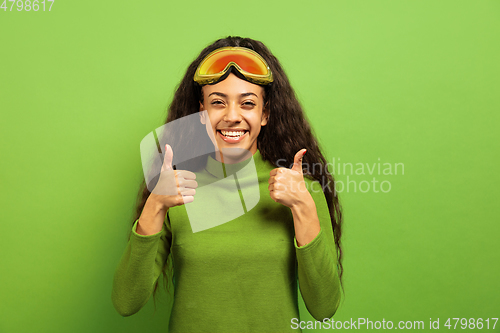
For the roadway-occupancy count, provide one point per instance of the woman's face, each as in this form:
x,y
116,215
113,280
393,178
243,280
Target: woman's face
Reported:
x,y
235,108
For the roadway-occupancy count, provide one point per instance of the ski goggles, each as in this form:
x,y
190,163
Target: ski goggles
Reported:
x,y
248,62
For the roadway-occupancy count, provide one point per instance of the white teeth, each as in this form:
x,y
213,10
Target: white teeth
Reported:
x,y
233,133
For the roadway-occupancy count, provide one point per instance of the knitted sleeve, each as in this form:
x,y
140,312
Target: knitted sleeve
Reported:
x,y
139,268
319,282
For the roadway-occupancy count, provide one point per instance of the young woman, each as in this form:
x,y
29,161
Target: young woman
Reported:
x,y
239,275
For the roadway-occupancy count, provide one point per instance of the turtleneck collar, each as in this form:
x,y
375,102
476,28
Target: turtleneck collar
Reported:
x,y
222,170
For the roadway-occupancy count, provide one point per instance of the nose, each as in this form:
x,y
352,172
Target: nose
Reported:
x,y
233,114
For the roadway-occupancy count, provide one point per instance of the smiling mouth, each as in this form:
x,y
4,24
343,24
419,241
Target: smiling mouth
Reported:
x,y
232,134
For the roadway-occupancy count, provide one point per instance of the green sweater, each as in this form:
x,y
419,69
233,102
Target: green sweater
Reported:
x,y
239,276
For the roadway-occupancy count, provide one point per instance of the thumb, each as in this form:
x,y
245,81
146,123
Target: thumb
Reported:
x,y
297,160
167,160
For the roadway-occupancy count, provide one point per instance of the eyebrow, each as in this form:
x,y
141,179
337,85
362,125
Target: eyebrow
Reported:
x,y
225,96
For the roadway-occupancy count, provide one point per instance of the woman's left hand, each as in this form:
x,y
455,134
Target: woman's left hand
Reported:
x,y
287,186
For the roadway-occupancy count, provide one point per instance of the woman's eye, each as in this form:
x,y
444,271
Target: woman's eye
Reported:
x,y
249,103
216,102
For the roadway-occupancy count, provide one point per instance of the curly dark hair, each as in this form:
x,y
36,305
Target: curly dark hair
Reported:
x,y
287,125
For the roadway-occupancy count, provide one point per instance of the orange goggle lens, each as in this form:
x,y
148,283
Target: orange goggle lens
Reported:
x,y
247,62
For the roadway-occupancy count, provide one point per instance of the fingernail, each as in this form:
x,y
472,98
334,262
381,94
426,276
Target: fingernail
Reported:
x,y
305,151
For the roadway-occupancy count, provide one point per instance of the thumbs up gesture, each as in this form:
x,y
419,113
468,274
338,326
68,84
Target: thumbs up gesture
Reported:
x,y
174,187
287,186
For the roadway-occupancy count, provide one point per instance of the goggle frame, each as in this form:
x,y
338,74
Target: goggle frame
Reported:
x,y
260,79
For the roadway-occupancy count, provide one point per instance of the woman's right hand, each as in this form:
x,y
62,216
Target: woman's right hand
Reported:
x,y
174,187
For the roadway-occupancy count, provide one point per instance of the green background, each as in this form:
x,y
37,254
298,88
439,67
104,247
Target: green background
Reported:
x,y
412,82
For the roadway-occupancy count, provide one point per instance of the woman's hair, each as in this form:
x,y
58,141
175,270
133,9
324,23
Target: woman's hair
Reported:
x,y
286,132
